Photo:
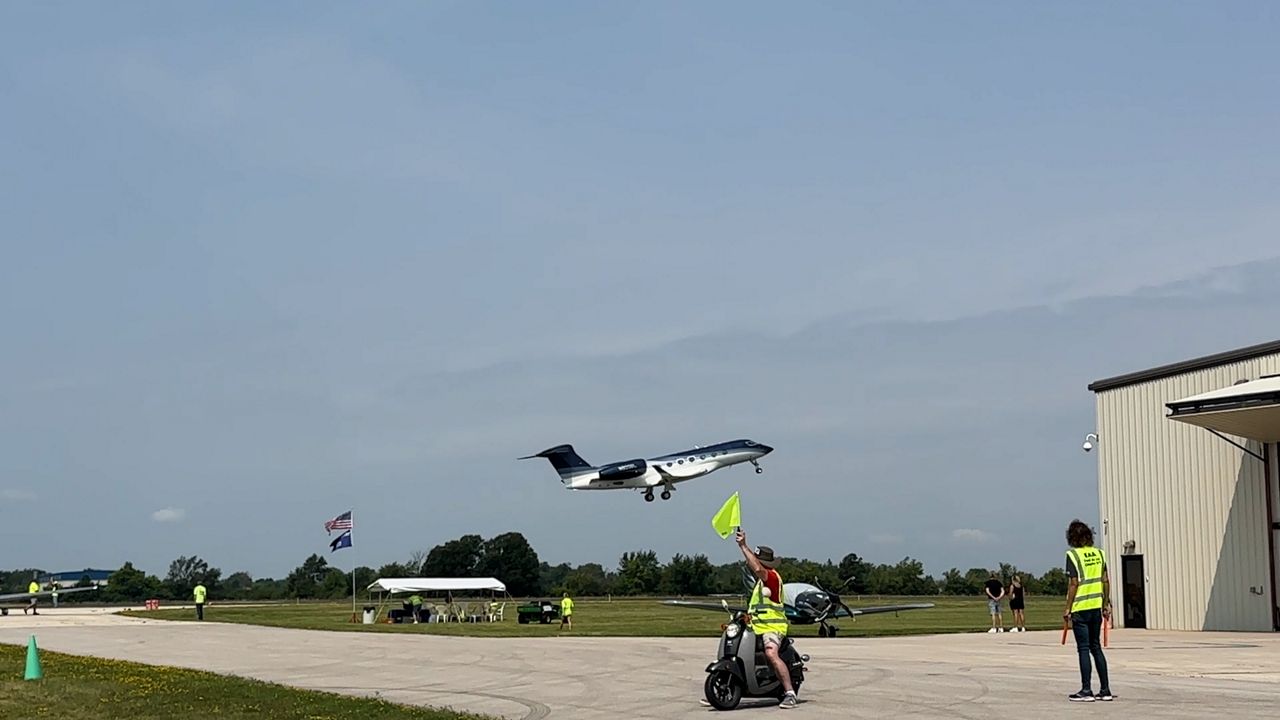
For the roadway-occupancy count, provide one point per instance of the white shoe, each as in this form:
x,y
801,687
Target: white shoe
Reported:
x,y
991,630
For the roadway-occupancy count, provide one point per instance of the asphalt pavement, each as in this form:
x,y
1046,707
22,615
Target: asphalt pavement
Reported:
x,y
1155,674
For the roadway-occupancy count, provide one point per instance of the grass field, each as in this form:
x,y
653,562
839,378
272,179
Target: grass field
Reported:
x,y
84,687
634,617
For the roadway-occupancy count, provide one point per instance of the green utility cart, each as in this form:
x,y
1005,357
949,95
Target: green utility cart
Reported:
x,y
539,612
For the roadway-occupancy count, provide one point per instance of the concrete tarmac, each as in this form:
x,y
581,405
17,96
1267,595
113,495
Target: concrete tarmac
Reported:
x,y
976,676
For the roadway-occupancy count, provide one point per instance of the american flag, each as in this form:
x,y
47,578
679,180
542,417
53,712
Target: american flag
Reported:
x,y
342,522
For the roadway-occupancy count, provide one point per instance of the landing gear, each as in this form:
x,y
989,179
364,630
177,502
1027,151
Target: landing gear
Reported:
x,y
648,496
666,494
825,630
758,468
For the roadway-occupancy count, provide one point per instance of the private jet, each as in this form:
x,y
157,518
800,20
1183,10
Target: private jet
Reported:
x,y
806,604
42,593
642,474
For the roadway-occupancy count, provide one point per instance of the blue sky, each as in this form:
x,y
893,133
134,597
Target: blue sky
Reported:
x,y
262,264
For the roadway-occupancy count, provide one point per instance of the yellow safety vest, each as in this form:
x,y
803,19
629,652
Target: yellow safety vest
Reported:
x,y
566,607
767,614
200,593
1089,563
33,587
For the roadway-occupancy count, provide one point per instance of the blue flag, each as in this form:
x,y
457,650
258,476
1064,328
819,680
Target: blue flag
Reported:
x,y
343,540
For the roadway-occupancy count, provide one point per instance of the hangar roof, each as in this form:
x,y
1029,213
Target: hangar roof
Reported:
x,y
1208,361
1247,409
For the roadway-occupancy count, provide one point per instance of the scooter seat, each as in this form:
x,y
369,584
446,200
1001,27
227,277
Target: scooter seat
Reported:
x,y
786,643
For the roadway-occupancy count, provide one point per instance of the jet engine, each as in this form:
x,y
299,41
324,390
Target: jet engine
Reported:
x,y
624,470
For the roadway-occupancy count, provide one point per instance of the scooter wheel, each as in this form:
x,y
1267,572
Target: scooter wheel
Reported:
x,y
723,690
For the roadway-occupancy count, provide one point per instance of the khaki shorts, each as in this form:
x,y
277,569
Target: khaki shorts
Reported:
x,y
772,638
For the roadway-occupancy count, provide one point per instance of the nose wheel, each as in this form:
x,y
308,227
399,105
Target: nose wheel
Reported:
x,y
758,468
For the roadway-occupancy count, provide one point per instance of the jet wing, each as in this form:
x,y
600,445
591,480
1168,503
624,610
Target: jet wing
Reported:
x,y
44,593
853,612
677,474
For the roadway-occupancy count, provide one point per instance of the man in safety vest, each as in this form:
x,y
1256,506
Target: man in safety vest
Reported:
x,y
33,588
199,593
566,611
768,617
1088,603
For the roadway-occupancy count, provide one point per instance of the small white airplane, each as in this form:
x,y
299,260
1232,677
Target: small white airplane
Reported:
x,y
42,593
641,474
806,604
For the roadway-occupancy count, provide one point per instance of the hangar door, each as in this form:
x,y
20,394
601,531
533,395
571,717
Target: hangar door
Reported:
x,y
1273,483
1134,593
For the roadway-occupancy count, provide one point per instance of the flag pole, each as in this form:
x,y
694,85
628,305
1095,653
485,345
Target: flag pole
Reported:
x,y
354,617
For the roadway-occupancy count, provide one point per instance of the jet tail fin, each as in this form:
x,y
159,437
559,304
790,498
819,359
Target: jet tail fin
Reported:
x,y
564,459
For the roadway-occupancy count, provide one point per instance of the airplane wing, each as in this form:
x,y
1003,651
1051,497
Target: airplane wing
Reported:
x,y
791,611
678,474
43,593
704,605
881,609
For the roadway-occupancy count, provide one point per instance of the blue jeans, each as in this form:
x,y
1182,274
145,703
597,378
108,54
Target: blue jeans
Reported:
x,y
1087,626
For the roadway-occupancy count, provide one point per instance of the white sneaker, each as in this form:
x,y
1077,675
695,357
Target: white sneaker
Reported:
x,y
991,630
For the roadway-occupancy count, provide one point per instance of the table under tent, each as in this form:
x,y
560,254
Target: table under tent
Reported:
x,y
485,599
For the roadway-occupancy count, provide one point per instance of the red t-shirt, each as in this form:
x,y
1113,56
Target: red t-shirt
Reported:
x,y
773,583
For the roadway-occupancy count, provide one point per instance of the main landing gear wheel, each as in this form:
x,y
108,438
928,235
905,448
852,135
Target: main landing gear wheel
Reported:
x,y
648,497
666,494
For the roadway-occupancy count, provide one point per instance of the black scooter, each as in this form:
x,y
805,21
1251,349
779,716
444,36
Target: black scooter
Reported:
x,y
742,669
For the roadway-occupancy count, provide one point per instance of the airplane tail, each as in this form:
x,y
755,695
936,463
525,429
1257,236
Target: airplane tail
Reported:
x,y
565,460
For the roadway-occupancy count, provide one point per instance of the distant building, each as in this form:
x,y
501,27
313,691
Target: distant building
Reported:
x,y
1189,491
70,578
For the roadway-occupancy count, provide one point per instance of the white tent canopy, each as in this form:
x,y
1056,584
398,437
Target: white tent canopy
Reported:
x,y
402,585
1247,409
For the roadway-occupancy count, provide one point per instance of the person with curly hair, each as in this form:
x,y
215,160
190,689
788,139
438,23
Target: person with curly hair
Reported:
x,y
1088,604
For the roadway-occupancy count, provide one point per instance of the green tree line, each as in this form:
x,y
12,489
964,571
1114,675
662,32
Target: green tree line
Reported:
x,y
511,559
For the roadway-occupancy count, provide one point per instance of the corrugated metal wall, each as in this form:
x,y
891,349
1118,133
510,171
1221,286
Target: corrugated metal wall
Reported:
x,y
1193,504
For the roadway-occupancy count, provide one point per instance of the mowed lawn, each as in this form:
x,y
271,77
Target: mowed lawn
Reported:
x,y
638,617
85,687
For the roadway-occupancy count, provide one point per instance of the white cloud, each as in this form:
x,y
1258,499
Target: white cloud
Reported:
x,y
885,539
15,495
169,515
971,535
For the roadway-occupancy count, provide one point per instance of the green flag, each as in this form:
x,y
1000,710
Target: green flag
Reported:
x,y
729,517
